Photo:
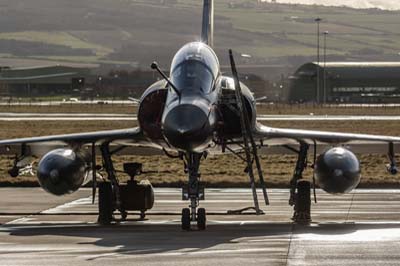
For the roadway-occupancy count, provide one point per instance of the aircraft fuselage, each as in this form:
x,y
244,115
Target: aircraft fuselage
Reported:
x,y
190,118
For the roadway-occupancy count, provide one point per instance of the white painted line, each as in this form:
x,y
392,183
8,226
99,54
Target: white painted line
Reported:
x,y
8,119
327,118
207,201
58,209
64,207
359,235
65,115
31,222
22,220
133,117
184,252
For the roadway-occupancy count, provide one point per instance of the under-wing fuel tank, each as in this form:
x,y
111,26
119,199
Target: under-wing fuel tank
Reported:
x,y
338,171
63,171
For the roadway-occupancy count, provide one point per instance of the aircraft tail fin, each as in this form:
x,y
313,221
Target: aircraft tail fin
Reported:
x,y
207,32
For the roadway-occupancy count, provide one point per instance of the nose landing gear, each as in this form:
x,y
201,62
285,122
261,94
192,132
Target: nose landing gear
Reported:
x,y
200,218
194,192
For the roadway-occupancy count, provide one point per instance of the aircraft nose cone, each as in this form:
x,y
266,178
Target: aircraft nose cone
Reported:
x,y
186,127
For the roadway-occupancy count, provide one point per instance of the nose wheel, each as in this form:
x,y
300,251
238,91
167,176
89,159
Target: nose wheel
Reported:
x,y
200,219
185,219
194,192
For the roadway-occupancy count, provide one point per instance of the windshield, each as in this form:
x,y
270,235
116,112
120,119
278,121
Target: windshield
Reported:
x,y
193,75
195,68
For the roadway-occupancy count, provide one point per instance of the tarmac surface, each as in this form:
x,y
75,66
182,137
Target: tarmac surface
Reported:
x,y
361,228
133,117
67,102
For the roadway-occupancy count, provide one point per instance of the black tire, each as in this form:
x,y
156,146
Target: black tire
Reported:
x,y
105,203
124,215
186,219
201,219
304,196
142,215
13,172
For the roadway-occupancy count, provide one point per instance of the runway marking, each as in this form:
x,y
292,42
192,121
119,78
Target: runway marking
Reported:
x,y
28,219
75,207
208,201
8,216
22,220
133,117
65,115
9,119
367,235
32,221
285,190
328,118
173,221
63,207
189,252
290,245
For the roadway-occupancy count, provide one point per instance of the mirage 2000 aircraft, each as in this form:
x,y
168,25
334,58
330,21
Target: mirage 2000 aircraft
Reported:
x,y
192,113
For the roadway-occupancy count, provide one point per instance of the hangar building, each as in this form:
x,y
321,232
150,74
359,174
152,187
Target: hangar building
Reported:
x,y
36,81
351,82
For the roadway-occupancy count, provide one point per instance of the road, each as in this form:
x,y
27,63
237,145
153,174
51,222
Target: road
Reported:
x,y
67,102
361,228
133,117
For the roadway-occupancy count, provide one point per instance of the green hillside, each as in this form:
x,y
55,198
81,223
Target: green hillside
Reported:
x,y
139,31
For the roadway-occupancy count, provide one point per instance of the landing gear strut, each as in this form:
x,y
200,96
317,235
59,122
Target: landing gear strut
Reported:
x,y
392,166
300,189
193,192
106,208
109,197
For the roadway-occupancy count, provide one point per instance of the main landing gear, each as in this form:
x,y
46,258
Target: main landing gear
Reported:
x,y
194,192
300,197
109,199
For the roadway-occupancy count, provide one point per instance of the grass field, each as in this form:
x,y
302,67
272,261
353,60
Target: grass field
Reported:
x,y
270,109
223,171
349,29
55,37
35,128
121,32
71,108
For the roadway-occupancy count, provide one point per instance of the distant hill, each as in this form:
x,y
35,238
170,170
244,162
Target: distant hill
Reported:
x,y
381,4
136,32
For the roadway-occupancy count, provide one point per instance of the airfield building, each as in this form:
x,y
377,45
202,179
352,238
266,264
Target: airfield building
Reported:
x,y
340,82
39,81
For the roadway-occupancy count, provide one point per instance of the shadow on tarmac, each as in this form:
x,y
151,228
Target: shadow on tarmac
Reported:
x,y
152,238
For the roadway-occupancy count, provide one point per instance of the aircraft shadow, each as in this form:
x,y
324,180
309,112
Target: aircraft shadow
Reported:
x,y
148,239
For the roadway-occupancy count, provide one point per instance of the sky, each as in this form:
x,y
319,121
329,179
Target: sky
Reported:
x,y
382,4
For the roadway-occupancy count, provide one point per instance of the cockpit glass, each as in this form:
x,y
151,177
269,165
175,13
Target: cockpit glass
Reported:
x,y
195,68
193,75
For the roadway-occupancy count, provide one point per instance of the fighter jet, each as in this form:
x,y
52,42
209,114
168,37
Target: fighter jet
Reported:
x,y
192,112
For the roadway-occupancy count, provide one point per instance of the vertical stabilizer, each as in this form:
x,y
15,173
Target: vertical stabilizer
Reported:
x,y
207,32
